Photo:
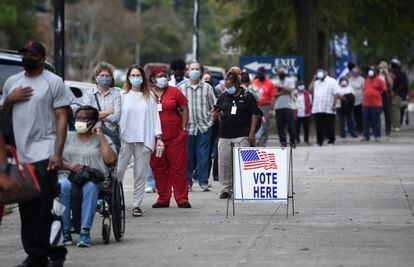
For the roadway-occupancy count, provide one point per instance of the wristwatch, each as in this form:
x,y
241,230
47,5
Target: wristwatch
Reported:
x,y
5,168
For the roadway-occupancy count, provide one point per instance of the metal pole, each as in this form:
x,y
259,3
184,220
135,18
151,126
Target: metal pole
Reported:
x,y
138,45
196,28
59,37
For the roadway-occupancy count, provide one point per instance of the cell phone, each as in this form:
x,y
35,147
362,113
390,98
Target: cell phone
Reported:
x,y
218,108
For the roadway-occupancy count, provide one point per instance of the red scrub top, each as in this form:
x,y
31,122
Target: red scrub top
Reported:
x,y
171,121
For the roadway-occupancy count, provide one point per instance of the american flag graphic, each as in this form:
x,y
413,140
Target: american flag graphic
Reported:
x,y
256,159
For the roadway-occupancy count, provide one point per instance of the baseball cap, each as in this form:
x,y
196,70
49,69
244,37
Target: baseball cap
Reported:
x,y
34,47
396,61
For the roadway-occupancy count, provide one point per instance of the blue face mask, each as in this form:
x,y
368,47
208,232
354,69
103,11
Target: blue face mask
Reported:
x,y
301,87
194,74
230,90
104,81
161,82
135,81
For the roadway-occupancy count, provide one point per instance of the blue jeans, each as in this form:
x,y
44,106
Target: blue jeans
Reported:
x,y
349,118
262,134
90,197
150,179
198,146
372,119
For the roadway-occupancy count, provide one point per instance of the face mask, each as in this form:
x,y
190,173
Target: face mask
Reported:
x,y
30,64
355,74
230,90
344,83
371,73
178,78
319,75
161,82
104,81
81,127
301,87
194,74
135,81
282,76
261,76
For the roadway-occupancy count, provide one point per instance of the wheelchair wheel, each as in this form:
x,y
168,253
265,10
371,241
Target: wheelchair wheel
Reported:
x,y
118,210
106,233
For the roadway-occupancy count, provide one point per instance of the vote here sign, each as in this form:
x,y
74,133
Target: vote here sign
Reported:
x,y
260,174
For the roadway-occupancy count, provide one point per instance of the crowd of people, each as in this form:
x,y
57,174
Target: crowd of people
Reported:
x,y
178,125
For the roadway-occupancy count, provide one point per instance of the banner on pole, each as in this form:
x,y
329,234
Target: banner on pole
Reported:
x,y
260,174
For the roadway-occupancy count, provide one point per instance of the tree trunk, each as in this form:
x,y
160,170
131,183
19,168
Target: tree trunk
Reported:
x,y
307,35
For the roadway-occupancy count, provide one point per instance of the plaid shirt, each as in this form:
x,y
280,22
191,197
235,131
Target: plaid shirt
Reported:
x,y
111,100
323,95
201,99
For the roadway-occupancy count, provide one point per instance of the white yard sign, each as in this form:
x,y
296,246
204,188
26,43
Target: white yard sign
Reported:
x,y
260,174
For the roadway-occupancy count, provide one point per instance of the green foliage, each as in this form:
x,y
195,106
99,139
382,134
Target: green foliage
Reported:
x,y
8,14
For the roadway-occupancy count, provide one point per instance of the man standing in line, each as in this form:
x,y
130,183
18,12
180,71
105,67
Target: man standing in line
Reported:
x,y
38,103
399,93
201,99
325,91
266,97
284,108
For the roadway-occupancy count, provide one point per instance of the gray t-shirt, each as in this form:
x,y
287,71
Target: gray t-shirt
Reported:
x,y
358,85
285,100
85,153
34,122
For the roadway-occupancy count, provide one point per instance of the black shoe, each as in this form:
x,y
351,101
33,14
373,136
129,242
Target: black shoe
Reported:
x,y
158,205
225,195
56,263
215,178
185,205
33,262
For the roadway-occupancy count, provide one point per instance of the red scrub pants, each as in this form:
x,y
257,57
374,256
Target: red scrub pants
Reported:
x,y
171,171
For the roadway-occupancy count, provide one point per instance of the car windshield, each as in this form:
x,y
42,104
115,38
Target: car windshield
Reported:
x,y
7,70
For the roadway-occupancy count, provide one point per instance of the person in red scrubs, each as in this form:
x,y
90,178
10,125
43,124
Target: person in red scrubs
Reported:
x,y
170,170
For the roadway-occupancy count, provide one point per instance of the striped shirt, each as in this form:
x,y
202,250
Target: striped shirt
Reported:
x,y
110,101
201,99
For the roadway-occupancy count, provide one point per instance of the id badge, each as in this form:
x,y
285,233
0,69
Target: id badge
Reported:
x,y
233,110
159,107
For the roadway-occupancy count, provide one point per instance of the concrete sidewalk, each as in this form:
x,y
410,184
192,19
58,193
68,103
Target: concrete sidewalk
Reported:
x,y
355,208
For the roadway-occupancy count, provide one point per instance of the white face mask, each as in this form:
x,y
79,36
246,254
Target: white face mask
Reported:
x,y
344,83
319,75
371,73
81,127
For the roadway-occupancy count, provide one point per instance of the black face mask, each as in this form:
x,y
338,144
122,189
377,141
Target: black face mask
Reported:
x,y
282,76
178,78
261,76
30,64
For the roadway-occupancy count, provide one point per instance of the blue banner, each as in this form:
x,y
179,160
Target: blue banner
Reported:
x,y
341,53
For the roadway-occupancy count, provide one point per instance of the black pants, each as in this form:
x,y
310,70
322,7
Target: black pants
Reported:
x,y
36,218
358,118
325,126
285,118
305,122
386,105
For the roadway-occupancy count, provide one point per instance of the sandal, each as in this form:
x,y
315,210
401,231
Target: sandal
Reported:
x,y
137,212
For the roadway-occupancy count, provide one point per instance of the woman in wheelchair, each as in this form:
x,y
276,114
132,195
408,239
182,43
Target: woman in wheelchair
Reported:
x,y
87,153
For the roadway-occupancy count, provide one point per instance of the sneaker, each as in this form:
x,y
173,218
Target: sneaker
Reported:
x,y
149,189
67,238
377,139
225,195
157,205
185,205
84,239
136,212
204,188
397,129
190,188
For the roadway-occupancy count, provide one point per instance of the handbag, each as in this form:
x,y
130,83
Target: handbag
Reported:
x,y
25,176
113,135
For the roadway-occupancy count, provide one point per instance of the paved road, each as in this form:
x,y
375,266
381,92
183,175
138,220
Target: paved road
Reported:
x,y
355,208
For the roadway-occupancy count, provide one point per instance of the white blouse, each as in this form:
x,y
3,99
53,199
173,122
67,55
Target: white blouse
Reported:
x,y
140,121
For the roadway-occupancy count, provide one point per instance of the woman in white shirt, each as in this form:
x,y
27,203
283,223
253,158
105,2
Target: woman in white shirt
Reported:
x,y
140,131
345,108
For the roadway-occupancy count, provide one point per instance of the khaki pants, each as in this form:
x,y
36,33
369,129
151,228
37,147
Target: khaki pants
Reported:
x,y
141,155
225,160
396,111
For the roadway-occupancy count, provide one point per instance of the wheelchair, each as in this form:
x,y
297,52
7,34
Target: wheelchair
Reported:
x,y
112,208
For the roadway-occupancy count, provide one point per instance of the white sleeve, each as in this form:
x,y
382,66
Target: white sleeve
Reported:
x,y
156,118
